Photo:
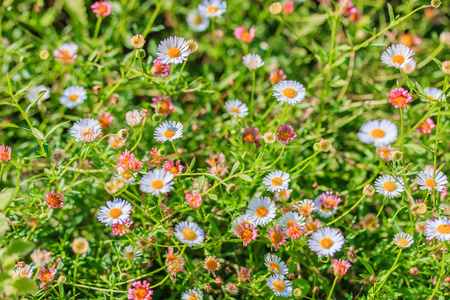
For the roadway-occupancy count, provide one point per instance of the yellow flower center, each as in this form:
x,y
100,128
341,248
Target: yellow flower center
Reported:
x,y
443,229
284,136
212,9
246,235
378,133
275,267
173,170
115,213
330,202
53,201
430,183
140,293
173,52
290,224
46,277
73,97
198,20
211,264
235,110
130,255
389,186
400,100
294,231
289,92
245,35
402,242
4,155
261,211
326,243
250,138
189,234
164,107
157,184
277,181
193,297
276,238
169,133
23,273
398,59
279,285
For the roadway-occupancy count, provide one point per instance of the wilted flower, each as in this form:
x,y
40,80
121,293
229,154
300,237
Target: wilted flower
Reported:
x,y
138,41
40,258
446,67
193,45
194,199
269,137
80,245
369,190
244,274
232,288
250,134
286,134
55,200
133,118
341,267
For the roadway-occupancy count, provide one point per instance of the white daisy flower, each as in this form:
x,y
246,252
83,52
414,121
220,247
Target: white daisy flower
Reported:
x,y
275,264
425,180
288,220
289,91
25,271
236,108
389,186
157,182
133,118
196,21
212,8
438,229
276,181
193,294
279,285
168,131
261,211
433,94
131,253
380,133
86,130
238,221
34,91
397,56
403,240
252,61
189,233
322,210
117,211
326,241
409,66
73,96
67,52
173,50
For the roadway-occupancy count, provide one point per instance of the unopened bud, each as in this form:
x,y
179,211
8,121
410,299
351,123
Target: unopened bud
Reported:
x,y
193,45
140,53
369,190
157,117
138,41
436,3
118,183
297,293
162,152
62,279
123,276
231,188
44,54
145,112
397,155
96,89
325,145
317,147
110,188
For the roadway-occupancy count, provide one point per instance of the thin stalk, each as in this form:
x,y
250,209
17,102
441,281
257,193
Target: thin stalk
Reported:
x,y
332,288
441,273
344,214
97,29
75,275
389,273
176,152
179,75
152,18
253,94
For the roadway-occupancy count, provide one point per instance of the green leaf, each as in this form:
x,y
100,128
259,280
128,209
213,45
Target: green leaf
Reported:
x,y
391,13
245,177
201,183
235,166
416,148
24,285
6,196
215,229
39,135
351,297
19,247
212,196
367,265
192,164
55,127
3,225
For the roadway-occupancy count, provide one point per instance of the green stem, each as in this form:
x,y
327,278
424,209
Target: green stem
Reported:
x,y
279,156
303,161
344,214
332,288
1,176
441,273
168,275
436,148
401,135
97,29
428,59
389,273
153,17
176,152
253,94
75,276
179,75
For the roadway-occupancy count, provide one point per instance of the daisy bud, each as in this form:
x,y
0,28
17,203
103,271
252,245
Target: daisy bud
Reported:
x,y
123,277
80,246
325,145
275,8
421,208
140,53
193,45
110,188
446,67
269,138
219,281
317,147
372,279
157,117
118,183
228,270
207,288
96,89
369,190
315,289
436,3
231,188
162,152
397,155
44,54
445,38
114,98
62,279
145,112
297,293
138,41
123,134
